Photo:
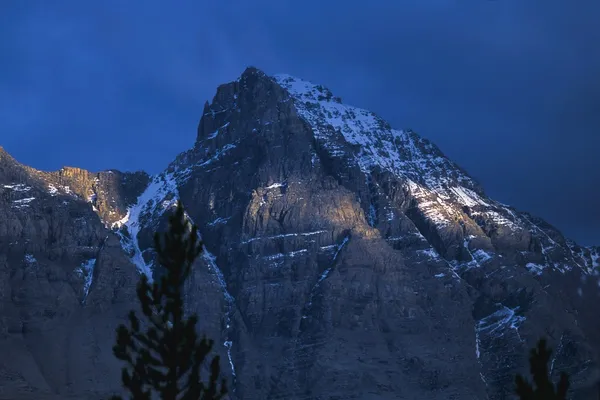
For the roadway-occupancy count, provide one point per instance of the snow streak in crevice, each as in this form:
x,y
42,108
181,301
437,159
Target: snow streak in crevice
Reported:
x,y
218,221
478,354
229,304
86,272
283,235
558,349
324,275
498,322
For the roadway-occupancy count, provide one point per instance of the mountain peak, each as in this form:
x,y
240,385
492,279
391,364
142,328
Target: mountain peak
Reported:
x,y
321,225
252,71
284,172
355,134
378,145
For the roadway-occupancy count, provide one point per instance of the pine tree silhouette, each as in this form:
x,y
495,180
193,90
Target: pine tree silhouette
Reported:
x,y
166,360
538,364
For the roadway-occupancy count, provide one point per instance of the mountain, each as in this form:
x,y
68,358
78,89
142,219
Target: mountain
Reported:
x,y
344,260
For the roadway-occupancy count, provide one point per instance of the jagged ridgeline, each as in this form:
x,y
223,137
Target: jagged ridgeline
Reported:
x,y
344,259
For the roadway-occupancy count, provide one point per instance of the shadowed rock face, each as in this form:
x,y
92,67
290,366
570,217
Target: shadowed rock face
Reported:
x,y
344,260
65,282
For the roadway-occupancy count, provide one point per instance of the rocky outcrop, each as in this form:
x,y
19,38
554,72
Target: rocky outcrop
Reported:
x,y
344,259
65,282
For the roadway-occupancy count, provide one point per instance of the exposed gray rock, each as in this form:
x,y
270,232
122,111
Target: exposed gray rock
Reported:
x,y
65,284
344,259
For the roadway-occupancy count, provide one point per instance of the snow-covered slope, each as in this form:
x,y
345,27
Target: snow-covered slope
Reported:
x,y
159,196
377,144
444,192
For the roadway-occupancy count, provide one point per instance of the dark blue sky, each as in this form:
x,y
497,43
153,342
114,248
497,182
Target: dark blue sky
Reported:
x,y
509,89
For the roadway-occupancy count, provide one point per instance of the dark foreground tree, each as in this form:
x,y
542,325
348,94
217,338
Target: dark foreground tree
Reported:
x,y
166,358
544,388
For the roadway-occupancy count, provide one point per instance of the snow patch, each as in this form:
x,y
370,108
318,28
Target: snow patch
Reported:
x,y
18,187
30,259
499,219
468,197
431,205
53,190
150,203
431,253
218,221
476,258
481,256
534,268
330,247
23,202
283,255
86,272
390,215
496,323
283,235
276,185
325,273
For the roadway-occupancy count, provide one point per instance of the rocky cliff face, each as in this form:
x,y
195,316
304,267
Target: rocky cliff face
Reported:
x,y
345,259
64,279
